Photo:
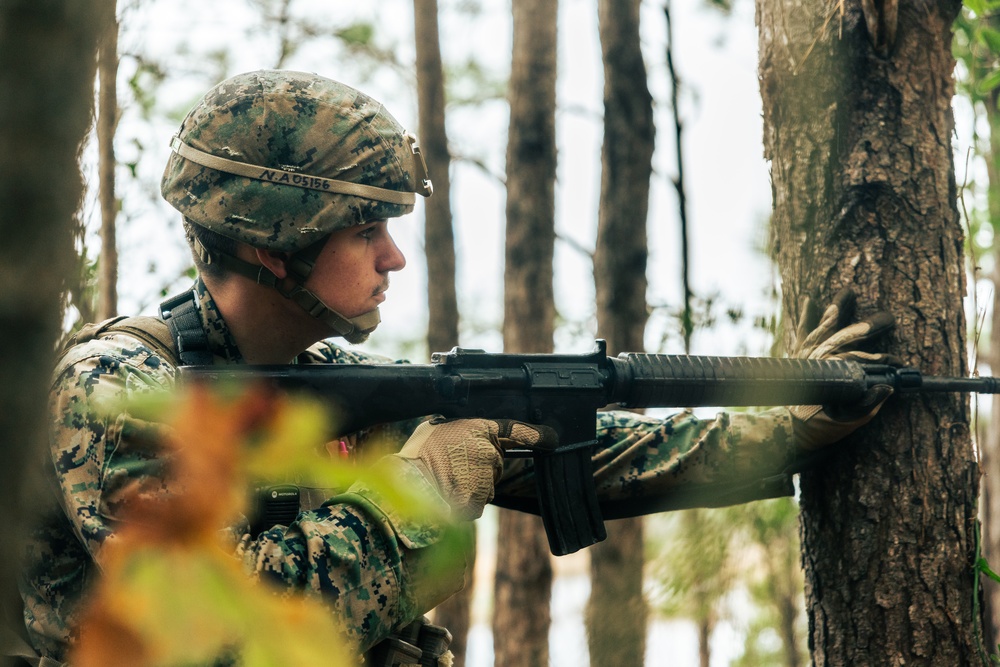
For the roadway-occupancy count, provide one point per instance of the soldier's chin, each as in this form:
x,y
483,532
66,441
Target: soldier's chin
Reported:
x,y
358,337
361,335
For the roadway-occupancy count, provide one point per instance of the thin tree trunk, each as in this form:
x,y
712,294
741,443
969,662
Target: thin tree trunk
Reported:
x,y
704,635
687,317
524,570
439,241
107,123
439,237
616,611
47,68
857,125
785,591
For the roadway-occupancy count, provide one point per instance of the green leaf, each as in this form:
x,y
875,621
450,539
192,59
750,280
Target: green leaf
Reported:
x,y
990,37
977,6
983,566
989,82
357,34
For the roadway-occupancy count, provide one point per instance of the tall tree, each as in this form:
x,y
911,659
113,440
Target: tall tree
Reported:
x,y
713,579
687,316
47,68
439,242
439,237
857,126
524,569
107,123
616,611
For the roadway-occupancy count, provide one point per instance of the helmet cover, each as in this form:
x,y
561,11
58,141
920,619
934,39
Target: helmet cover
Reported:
x,y
301,137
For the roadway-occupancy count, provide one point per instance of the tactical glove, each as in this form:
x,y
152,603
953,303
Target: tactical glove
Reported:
x,y
464,457
833,337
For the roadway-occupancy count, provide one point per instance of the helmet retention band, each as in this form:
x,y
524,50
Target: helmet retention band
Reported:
x,y
305,181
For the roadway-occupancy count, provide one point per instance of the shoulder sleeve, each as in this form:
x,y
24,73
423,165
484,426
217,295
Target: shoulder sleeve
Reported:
x,y
91,436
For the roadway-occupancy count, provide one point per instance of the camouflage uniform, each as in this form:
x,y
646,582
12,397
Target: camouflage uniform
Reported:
x,y
327,158
365,562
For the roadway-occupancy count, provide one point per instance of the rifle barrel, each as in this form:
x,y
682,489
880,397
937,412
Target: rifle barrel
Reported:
x,y
680,381
975,385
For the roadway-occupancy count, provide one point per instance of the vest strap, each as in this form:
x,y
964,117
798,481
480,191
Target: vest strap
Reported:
x,y
180,312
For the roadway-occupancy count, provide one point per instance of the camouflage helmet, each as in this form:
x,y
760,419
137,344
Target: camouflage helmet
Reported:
x,y
280,159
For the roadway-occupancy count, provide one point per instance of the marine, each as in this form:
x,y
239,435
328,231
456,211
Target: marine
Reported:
x,y
285,266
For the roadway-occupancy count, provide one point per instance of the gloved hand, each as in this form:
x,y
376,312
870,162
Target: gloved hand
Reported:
x,y
464,457
833,337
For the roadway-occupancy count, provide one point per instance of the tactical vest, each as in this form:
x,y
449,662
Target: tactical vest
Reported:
x,y
176,335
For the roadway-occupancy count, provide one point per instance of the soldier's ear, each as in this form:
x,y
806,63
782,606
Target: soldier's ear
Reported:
x,y
275,262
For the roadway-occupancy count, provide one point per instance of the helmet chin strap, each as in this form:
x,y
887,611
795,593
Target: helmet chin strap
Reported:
x,y
292,286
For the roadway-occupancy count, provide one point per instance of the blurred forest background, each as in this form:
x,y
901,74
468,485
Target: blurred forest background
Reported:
x,y
599,170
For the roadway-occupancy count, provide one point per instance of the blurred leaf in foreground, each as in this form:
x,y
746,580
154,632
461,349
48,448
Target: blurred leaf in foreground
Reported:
x,y
171,592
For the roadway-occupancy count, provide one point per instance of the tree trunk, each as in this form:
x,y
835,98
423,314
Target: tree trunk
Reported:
x,y
857,125
705,627
107,122
439,238
616,611
524,570
785,589
47,67
439,243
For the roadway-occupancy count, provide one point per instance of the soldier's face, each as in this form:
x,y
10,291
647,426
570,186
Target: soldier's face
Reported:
x,y
352,271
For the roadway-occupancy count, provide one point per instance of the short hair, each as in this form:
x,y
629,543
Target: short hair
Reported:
x,y
215,243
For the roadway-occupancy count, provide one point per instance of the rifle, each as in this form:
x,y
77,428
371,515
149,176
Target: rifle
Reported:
x,y
565,391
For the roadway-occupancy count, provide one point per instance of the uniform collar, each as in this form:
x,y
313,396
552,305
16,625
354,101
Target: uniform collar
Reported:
x,y
220,338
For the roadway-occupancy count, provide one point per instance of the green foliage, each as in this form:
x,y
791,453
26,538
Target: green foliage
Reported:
x,y
774,583
144,85
976,48
690,565
361,41
168,574
982,8
81,291
357,35
471,83
699,558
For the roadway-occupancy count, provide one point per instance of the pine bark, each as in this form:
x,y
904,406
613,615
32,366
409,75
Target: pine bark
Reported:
x,y
524,571
616,611
857,126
